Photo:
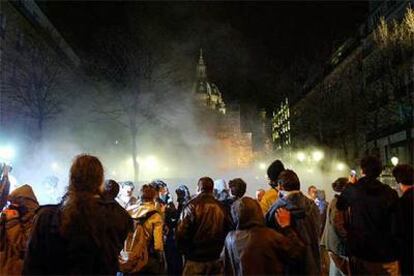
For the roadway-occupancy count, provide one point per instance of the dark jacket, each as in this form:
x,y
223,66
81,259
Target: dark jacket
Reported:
x,y
305,220
407,207
202,228
51,253
253,248
372,226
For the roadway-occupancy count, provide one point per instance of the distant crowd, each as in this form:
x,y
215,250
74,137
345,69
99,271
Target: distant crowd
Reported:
x,y
100,227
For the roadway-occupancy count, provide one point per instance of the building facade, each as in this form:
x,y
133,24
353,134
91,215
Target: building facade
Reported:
x,y
32,56
281,127
363,101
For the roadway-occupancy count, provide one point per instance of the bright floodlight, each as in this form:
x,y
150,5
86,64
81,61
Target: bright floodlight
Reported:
x,y
395,160
317,155
54,166
6,153
262,166
151,162
301,156
340,167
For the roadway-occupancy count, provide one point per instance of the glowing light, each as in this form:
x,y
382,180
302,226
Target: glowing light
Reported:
x,y
113,173
116,142
262,166
151,163
301,156
395,160
317,155
7,153
166,169
340,167
309,170
54,166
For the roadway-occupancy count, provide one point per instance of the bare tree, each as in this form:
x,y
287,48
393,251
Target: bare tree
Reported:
x,y
35,81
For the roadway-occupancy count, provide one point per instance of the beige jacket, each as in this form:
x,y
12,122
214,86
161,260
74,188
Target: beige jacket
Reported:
x,y
17,231
153,226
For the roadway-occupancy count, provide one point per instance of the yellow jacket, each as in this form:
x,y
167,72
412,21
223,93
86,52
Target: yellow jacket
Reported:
x,y
268,199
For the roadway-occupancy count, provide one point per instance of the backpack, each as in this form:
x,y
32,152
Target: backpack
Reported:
x,y
134,255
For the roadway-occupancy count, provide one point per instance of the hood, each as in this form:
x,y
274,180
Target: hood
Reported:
x,y
23,194
26,199
220,185
139,211
246,213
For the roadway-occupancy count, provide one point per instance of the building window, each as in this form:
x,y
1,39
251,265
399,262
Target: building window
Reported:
x,y
2,25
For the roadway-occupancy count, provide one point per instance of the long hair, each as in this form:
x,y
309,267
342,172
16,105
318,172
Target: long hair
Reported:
x,y
79,205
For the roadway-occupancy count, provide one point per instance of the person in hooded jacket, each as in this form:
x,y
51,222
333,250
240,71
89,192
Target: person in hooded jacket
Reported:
x,y
372,228
183,196
221,193
253,248
76,236
271,195
305,221
15,228
153,228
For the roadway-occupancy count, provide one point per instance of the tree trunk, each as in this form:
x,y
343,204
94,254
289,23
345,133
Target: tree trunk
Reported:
x,y
134,154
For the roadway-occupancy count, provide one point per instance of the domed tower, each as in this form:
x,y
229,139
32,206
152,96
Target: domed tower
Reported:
x,y
207,93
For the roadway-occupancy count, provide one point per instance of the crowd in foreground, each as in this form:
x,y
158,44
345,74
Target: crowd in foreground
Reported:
x,y
100,228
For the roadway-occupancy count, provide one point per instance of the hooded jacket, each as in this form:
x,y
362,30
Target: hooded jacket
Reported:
x,y
253,248
153,226
372,227
15,232
305,220
202,228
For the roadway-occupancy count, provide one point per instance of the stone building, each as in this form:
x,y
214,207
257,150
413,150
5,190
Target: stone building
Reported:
x,y
32,56
232,146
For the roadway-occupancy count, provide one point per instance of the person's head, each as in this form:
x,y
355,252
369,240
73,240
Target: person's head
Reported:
x,y
259,194
128,188
288,181
274,170
86,175
205,185
246,213
160,186
183,193
312,192
404,174
371,166
148,193
220,185
237,187
340,184
86,181
111,189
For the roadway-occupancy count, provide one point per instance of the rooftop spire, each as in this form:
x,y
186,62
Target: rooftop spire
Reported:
x,y
201,60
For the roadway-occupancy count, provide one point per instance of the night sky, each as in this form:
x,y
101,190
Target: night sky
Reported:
x,y
247,45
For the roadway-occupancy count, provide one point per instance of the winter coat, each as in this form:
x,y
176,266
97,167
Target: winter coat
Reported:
x,y
407,207
253,248
202,228
305,220
268,199
332,239
153,226
372,227
15,232
78,252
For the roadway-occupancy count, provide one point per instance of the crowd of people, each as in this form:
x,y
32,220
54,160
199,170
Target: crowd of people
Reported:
x,y
100,227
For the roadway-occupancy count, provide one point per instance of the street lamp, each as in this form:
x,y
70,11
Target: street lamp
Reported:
x,y
317,155
301,156
394,160
6,153
262,166
340,166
